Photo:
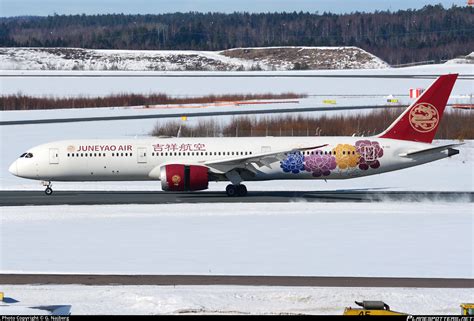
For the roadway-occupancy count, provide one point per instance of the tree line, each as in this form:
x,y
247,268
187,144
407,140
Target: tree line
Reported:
x,y
430,33
456,124
25,102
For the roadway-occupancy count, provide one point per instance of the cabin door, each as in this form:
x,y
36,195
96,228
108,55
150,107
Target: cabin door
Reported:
x,y
54,156
141,154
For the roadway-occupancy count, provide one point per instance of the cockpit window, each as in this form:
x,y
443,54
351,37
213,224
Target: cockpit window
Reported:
x,y
29,155
23,155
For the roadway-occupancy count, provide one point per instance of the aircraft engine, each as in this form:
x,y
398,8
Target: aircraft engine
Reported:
x,y
178,178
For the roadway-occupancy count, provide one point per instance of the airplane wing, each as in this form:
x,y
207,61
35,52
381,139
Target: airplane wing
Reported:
x,y
251,162
451,151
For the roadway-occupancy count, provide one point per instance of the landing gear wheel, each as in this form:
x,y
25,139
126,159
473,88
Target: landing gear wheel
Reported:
x,y
231,190
241,190
48,191
236,190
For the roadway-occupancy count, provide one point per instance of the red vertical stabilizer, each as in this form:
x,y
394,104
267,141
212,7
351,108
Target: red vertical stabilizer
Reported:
x,y
420,120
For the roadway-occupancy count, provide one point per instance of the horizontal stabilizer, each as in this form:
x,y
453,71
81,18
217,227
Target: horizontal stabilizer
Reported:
x,y
435,149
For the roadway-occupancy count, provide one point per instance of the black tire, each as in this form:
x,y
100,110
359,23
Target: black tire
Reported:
x,y
241,190
231,190
48,191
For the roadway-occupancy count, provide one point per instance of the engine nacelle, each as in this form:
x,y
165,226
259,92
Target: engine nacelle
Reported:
x,y
177,177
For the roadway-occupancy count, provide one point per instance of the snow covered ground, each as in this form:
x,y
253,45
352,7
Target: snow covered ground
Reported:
x,y
270,58
468,59
235,299
389,239
76,83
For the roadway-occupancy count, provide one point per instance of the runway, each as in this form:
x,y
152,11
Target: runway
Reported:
x,y
244,280
21,198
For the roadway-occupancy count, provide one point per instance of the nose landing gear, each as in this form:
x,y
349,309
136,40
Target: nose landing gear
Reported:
x,y
48,191
236,190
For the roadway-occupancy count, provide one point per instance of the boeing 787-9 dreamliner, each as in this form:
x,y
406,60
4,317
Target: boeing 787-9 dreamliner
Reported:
x,y
188,164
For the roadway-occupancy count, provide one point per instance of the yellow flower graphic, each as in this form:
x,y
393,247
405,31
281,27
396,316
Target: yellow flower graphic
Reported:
x,y
346,156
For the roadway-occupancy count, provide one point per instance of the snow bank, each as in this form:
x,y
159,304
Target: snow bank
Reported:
x,y
468,59
322,83
319,239
127,300
166,60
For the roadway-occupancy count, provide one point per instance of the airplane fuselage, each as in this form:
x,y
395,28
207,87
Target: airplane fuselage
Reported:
x,y
141,159
188,164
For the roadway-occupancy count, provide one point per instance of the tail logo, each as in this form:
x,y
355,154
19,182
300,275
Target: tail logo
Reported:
x,y
424,117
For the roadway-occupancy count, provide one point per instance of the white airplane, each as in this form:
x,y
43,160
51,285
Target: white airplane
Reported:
x,y
188,164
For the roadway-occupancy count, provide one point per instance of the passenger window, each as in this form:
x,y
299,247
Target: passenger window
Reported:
x,y
122,154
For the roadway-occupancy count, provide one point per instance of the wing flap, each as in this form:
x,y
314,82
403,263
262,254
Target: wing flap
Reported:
x,y
261,159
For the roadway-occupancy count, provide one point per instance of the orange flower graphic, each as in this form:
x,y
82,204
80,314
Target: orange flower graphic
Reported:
x,y
346,156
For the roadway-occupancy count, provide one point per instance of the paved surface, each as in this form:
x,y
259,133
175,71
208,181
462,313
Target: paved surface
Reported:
x,y
88,279
190,114
19,198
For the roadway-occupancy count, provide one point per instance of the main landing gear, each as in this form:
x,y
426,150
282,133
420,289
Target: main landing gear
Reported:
x,y
236,190
48,191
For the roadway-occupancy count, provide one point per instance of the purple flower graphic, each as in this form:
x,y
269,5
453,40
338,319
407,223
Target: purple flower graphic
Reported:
x,y
370,152
319,165
293,163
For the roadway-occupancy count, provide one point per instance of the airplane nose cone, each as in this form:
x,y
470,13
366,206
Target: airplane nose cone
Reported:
x,y
13,168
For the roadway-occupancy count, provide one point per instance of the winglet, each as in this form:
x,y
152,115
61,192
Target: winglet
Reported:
x,y
420,120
